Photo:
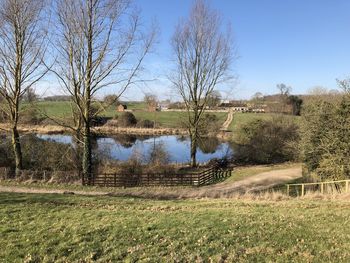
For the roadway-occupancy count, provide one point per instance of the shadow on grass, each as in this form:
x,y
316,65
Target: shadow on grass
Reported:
x,y
32,198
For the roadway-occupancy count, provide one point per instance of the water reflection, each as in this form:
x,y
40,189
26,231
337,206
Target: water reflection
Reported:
x,y
123,147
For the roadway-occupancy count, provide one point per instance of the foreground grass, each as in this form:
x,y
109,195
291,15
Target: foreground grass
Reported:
x,y
239,173
61,228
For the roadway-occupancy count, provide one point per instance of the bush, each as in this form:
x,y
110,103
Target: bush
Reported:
x,y
127,119
145,124
267,141
30,116
325,133
158,155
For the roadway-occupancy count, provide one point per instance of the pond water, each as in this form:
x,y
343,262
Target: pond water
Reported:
x,y
124,147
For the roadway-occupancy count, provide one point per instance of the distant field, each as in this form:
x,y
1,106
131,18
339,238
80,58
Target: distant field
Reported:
x,y
68,228
62,109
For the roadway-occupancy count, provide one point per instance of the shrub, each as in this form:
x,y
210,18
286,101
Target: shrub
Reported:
x,y
325,133
30,116
267,141
145,124
127,119
158,155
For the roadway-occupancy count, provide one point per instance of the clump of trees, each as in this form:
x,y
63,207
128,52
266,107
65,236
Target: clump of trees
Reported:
x,y
267,141
325,133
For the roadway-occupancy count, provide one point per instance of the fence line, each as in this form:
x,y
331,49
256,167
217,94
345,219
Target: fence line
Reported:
x,y
323,187
205,177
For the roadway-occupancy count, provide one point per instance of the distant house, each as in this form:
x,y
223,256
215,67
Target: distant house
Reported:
x,y
164,106
121,107
258,110
239,107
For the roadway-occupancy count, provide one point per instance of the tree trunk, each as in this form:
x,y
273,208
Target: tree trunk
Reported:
x,y
17,150
193,150
87,156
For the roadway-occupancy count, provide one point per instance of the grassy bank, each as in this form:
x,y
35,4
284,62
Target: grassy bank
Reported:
x,y
240,119
61,228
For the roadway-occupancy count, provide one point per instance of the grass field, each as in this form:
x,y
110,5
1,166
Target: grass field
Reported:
x,y
62,109
64,228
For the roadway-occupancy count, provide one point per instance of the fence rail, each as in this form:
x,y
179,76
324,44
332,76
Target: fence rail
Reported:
x,y
205,177
339,186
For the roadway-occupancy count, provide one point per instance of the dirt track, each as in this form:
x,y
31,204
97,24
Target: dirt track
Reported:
x,y
228,121
254,183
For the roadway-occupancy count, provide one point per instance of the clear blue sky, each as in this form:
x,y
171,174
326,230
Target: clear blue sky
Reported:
x,y
302,43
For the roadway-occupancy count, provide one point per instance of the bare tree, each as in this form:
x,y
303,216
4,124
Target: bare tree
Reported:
x,y
344,84
22,49
257,99
284,92
100,44
203,54
214,99
151,100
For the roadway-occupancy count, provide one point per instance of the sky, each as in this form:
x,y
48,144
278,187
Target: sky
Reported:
x,y
302,43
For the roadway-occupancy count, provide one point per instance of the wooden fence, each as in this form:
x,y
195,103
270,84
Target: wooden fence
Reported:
x,y
330,187
205,177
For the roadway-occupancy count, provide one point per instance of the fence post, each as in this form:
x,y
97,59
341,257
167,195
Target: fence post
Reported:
x,y
115,180
346,186
302,189
322,188
288,189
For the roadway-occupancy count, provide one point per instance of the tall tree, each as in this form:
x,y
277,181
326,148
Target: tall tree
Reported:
x,y
151,100
203,54
22,50
100,44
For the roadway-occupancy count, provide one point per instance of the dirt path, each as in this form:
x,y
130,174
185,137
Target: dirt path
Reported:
x,y
228,121
253,183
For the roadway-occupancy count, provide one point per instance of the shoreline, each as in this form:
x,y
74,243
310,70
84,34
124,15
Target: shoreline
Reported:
x,y
107,130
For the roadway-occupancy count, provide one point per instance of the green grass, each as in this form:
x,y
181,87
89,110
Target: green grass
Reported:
x,y
171,119
240,119
54,109
62,109
62,228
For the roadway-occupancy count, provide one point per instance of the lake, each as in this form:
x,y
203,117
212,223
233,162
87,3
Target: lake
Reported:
x,y
124,147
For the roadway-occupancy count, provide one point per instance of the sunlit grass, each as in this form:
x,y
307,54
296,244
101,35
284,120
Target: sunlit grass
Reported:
x,y
61,228
169,119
